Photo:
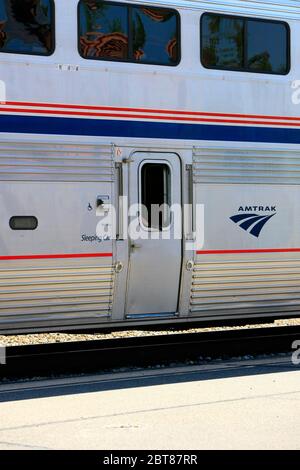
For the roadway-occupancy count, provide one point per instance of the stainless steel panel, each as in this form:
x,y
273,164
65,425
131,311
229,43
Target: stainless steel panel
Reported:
x,y
251,284
54,292
38,161
223,165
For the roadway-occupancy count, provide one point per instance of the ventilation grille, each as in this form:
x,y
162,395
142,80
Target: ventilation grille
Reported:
x,y
254,285
55,293
23,161
218,165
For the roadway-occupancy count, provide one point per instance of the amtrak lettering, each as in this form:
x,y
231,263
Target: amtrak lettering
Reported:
x,y
257,208
251,220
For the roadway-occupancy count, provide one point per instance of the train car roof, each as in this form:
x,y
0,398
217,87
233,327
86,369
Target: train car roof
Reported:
x,y
283,9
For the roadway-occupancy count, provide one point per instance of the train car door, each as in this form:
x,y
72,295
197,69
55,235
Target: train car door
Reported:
x,y
155,236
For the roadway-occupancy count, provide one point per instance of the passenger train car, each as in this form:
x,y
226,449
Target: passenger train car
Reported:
x,y
109,108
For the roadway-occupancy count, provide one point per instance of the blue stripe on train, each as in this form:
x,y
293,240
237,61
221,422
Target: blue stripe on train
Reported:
x,y
145,129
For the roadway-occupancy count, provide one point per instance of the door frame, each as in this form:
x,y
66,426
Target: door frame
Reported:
x,y
159,159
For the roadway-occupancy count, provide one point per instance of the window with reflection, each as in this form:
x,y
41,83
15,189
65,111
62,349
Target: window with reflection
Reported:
x,y
244,44
267,46
27,26
222,41
103,30
155,38
117,31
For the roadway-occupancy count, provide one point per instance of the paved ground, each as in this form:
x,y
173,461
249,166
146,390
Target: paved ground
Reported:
x,y
249,405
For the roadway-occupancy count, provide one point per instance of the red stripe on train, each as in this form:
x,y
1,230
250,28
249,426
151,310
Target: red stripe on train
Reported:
x,y
262,250
109,255
149,110
148,117
57,256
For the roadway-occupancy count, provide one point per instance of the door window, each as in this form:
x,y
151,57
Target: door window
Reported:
x,y
156,195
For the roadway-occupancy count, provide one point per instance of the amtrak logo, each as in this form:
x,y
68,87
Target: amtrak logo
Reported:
x,y
251,221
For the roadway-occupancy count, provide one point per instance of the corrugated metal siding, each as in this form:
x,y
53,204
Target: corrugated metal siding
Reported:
x,y
29,161
265,8
245,284
288,8
55,293
219,165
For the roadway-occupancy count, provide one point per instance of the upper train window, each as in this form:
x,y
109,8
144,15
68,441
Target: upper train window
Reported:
x,y
244,44
27,26
131,33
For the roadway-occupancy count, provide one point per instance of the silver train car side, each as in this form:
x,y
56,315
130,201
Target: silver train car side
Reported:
x,y
189,103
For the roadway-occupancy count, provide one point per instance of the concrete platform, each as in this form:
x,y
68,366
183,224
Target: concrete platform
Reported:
x,y
242,405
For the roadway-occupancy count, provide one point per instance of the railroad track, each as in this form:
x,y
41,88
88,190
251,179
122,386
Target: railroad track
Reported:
x,y
102,355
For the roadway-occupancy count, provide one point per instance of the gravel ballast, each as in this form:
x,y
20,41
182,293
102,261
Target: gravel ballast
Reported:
x,y
46,338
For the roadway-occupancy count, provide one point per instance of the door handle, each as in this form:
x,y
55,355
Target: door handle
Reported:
x,y
135,246
189,169
119,231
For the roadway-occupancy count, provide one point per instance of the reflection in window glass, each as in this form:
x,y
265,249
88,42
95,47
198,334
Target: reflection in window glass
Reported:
x,y
222,41
103,30
154,35
27,26
267,46
129,33
244,44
